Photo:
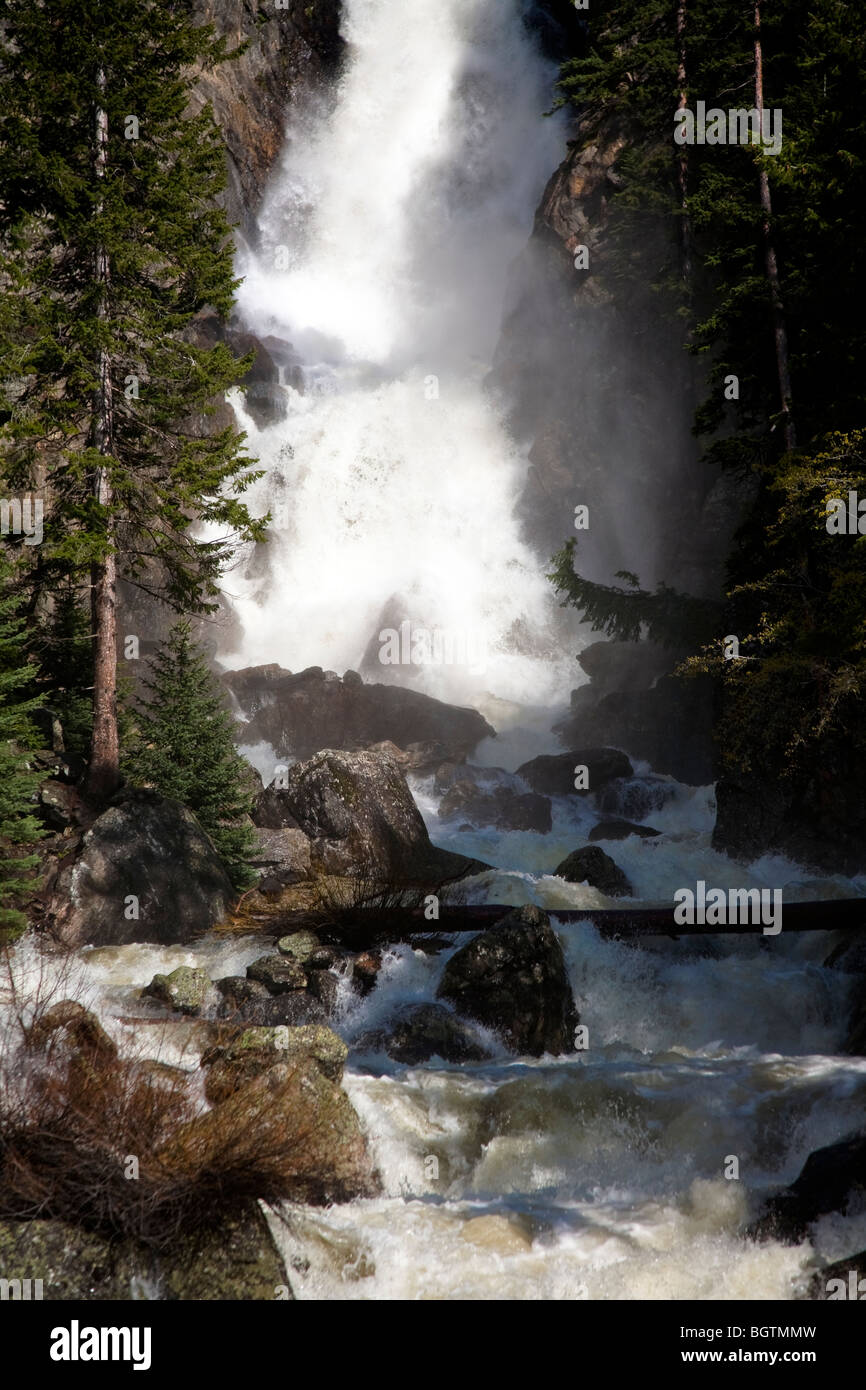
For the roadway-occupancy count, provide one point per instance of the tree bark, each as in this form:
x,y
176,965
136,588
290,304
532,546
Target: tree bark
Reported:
x,y
103,776
770,263
683,158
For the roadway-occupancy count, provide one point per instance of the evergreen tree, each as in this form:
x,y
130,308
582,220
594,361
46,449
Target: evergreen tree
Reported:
x,y
111,242
184,749
18,827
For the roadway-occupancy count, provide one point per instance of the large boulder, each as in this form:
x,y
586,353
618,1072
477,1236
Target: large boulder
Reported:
x,y
251,1002
591,865
513,979
187,990
359,815
232,1065
145,871
301,714
553,773
832,1179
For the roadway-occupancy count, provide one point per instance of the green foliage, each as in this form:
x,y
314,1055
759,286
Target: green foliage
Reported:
x,y
667,617
796,596
104,268
184,749
18,827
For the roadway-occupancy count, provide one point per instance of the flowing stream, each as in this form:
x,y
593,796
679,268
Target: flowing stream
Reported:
x,y
385,246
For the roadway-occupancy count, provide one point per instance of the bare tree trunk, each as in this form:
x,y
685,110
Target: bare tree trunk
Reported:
x,y
770,262
104,773
683,158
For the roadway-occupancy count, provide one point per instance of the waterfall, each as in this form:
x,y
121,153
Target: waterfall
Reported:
x,y
385,246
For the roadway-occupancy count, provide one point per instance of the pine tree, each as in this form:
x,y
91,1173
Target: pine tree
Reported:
x,y
184,749
18,827
111,242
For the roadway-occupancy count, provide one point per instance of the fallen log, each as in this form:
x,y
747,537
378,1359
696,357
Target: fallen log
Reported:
x,y
835,914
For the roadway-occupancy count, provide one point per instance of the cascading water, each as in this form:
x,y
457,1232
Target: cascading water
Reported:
x,y
385,246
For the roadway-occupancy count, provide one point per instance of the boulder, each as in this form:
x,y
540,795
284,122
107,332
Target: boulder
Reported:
x,y
422,1031
250,1002
270,812
300,945
187,990
365,970
59,805
145,871
513,979
831,1179
302,1123
278,973
635,798
669,726
620,830
359,816
591,865
301,714
553,773
503,809
231,1066
283,858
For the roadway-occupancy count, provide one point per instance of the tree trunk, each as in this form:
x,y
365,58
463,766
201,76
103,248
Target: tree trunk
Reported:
x,y
772,269
683,158
103,776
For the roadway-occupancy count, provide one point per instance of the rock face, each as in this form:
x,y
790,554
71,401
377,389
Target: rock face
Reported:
x,y
553,773
358,814
820,821
299,715
291,49
669,725
591,865
832,1179
149,848
422,1031
513,979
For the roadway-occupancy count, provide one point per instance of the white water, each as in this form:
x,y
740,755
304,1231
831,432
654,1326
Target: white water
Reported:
x,y
598,1175
385,246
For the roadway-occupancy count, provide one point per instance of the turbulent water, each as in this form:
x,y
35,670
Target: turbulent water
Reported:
x,y
384,254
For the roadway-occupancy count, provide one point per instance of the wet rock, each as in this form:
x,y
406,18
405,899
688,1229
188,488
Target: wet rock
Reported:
x,y
70,1025
620,830
513,979
187,990
325,987
237,991
301,1120
844,1280
415,757
591,865
423,1031
145,855
278,973
359,815
504,809
832,1179
365,970
301,714
300,945
231,1066
553,773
